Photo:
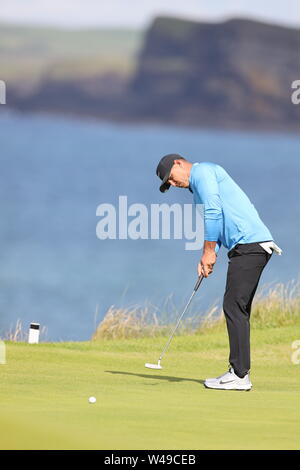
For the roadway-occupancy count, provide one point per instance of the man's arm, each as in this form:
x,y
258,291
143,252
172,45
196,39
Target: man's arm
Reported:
x,y
206,185
208,260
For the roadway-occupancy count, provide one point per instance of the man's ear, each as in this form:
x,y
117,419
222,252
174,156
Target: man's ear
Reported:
x,y
179,162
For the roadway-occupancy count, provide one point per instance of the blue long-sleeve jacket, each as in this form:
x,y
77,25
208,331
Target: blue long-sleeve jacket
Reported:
x,y
229,215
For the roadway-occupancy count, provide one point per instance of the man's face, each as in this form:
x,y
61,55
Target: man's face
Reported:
x,y
179,176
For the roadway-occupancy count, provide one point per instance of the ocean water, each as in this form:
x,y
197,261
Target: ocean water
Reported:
x,y
56,171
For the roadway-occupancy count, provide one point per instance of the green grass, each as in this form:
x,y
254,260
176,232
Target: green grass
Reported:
x,y
29,54
45,388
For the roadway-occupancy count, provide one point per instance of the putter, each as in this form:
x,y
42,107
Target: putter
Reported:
x,y
158,365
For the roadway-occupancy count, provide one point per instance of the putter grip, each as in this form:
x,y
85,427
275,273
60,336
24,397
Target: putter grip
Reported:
x,y
200,279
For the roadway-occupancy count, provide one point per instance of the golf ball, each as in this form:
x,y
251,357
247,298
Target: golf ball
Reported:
x,y
92,400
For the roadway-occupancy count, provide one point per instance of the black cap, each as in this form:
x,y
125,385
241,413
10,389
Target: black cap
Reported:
x,y
164,167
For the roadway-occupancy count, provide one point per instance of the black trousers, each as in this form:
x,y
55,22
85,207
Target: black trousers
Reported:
x,y
245,266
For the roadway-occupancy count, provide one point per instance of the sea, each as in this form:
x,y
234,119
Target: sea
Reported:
x,y
57,170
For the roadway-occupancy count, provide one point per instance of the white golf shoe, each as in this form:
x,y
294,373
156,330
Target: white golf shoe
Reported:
x,y
229,381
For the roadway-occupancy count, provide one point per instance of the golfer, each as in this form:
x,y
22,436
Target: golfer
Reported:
x,y
231,220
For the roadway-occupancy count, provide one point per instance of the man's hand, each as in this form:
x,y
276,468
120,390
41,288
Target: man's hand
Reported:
x,y
208,259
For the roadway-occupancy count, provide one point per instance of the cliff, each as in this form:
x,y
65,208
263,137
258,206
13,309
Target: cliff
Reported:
x,y
238,72
232,74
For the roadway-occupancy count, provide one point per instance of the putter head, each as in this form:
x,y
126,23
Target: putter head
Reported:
x,y
153,366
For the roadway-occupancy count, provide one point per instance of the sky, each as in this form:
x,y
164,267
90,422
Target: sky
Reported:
x,y
139,13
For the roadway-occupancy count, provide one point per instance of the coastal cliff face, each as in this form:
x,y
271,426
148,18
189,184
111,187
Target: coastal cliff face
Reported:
x,y
232,74
237,72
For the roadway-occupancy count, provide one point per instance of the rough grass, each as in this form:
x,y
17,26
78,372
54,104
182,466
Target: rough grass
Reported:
x,y
274,306
18,333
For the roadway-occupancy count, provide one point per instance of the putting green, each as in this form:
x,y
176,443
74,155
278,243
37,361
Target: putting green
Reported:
x,y
45,389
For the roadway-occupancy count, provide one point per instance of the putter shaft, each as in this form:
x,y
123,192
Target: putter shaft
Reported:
x,y
199,280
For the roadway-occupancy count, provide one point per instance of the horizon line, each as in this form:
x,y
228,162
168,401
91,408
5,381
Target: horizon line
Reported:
x,y
133,27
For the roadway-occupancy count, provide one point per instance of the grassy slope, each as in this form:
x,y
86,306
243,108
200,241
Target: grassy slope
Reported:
x,y
29,53
44,391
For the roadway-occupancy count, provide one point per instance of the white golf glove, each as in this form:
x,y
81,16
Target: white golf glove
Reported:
x,y
268,246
